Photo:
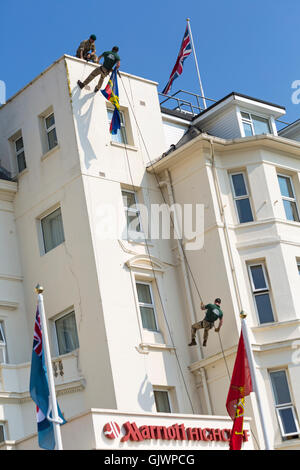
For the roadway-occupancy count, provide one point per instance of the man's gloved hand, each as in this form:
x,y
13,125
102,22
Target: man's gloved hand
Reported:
x,y
217,330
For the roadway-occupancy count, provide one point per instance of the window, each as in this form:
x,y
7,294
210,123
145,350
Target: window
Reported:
x,y
2,433
131,212
2,345
162,401
255,125
261,293
241,197
298,266
288,197
146,304
283,404
120,136
66,333
20,154
52,229
50,131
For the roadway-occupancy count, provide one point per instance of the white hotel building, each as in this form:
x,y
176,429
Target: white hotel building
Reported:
x,y
119,310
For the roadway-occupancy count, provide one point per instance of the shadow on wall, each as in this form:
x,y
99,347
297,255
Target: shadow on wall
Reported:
x,y
83,120
145,396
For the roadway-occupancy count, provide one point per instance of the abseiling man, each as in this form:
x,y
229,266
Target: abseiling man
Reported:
x,y
111,59
213,313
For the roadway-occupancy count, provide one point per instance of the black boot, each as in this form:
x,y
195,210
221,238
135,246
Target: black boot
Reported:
x,y
193,342
80,84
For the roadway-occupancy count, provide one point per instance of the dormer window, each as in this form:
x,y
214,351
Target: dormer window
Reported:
x,y
255,125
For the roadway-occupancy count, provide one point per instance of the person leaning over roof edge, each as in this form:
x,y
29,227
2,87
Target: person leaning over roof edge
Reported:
x,y
87,50
213,313
111,59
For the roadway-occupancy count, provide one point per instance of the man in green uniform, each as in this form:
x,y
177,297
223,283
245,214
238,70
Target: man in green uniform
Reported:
x,y
111,58
87,49
213,313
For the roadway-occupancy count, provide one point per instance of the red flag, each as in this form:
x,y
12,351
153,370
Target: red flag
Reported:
x,y
240,387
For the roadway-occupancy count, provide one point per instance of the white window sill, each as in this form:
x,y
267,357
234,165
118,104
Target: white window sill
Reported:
x,y
50,152
124,146
145,348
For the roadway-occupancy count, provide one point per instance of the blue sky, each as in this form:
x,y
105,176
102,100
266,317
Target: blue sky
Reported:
x,y
249,47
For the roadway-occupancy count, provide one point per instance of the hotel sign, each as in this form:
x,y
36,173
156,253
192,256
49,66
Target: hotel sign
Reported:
x,y
175,432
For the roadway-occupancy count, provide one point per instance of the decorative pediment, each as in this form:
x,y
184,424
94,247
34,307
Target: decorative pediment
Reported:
x,y
146,263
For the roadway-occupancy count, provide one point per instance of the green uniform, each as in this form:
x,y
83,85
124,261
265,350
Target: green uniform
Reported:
x,y
86,47
213,313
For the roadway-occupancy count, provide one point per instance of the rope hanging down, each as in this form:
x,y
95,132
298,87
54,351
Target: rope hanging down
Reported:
x,y
181,244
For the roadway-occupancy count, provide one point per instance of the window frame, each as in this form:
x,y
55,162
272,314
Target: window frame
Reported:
x,y
289,199
284,406
238,198
155,389
43,217
132,210
2,425
19,152
57,318
3,344
256,292
142,304
49,129
250,122
122,131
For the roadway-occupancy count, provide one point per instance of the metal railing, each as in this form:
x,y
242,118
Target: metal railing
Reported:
x,y
190,104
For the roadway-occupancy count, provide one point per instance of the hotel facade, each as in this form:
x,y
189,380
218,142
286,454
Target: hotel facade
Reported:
x,y
119,308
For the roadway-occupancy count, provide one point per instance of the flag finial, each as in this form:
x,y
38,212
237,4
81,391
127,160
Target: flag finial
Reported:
x,y
39,289
243,314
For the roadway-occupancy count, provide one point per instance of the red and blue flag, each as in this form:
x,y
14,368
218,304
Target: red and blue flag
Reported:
x,y
185,50
39,390
111,93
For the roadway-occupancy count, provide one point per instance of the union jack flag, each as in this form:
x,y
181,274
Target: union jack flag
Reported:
x,y
185,50
37,335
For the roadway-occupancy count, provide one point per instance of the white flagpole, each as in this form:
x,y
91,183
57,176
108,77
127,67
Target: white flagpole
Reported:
x,y
196,62
254,380
55,418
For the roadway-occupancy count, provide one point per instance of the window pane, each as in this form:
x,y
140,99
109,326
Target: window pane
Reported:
x,y
291,211
247,129
298,264
288,420
148,318
67,337
264,308
2,438
162,401
2,338
144,294
244,210
280,387
258,277
285,186
52,139
53,232
133,222
19,144
50,121
128,199
21,161
245,116
261,125
239,185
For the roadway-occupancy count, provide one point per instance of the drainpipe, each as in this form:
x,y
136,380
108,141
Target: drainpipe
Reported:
x,y
192,314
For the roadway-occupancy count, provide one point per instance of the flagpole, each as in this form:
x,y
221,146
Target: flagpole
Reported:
x,y
196,62
254,380
56,419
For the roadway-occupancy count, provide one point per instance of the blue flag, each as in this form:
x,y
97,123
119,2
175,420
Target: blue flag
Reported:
x,y
39,390
111,93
